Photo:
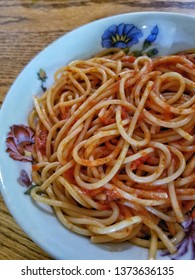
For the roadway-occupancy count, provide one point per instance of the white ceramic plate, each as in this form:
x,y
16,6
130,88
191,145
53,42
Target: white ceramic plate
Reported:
x,y
162,33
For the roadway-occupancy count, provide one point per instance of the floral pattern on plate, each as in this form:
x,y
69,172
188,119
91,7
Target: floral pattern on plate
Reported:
x,y
42,77
188,243
124,36
19,142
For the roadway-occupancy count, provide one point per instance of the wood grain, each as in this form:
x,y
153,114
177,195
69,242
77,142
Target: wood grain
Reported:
x,y
14,243
26,27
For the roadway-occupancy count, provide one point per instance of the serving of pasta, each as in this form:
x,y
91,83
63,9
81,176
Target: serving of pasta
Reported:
x,y
114,150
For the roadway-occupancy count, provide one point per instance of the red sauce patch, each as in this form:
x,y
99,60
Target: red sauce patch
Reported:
x,y
41,140
129,58
139,161
69,175
112,195
35,167
94,192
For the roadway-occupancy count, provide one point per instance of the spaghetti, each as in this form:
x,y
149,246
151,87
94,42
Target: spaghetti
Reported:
x,y
114,148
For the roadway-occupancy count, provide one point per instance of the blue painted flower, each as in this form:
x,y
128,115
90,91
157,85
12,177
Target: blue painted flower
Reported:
x,y
121,36
187,245
152,37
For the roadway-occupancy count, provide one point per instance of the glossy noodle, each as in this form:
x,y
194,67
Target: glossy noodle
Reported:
x,y
114,148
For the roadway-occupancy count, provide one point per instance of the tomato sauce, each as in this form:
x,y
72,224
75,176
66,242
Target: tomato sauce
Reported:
x,y
69,175
139,161
129,58
41,140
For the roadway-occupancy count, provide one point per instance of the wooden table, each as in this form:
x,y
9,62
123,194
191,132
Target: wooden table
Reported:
x,y
26,27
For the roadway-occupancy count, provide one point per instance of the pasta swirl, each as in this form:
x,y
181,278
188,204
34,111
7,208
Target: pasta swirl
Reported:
x,y
114,147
